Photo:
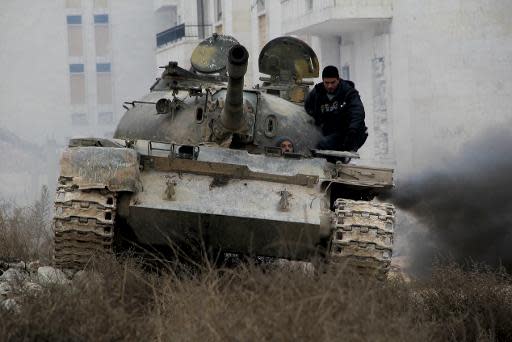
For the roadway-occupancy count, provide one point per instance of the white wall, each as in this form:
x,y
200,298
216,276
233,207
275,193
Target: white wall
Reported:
x,y
451,75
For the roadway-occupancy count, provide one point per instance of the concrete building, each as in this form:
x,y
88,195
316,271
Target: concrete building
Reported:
x,y
67,67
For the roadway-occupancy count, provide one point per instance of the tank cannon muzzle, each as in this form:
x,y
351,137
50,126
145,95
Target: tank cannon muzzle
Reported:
x,y
233,118
237,61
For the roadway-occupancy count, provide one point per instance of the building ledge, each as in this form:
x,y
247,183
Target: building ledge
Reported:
x,y
328,16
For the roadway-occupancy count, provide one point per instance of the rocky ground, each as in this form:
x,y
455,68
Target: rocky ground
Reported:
x,y
18,278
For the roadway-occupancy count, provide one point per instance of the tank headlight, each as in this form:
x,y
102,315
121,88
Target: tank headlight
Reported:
x,y
163,106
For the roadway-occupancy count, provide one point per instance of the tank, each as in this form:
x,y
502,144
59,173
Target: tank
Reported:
x,y
194,166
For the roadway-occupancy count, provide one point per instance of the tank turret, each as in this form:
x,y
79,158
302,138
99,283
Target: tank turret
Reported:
x,y
232,117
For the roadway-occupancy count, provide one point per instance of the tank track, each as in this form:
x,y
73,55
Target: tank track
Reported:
x,y
83,225
362,237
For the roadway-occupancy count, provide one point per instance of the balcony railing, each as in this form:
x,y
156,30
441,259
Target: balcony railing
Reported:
x,y
181,31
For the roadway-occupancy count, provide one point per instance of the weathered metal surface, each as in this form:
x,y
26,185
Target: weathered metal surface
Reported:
x,y
116,169
363,235
83,225
363,176
177,78
289,59
250,221
230,197
210,56
231,171
233,115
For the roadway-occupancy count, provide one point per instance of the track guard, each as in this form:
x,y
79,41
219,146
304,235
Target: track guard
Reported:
x,y
116,169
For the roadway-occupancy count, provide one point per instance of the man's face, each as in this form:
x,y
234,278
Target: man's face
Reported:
x,y
286,146
331,83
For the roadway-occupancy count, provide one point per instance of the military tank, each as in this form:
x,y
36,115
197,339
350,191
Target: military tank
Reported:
x,y
194,162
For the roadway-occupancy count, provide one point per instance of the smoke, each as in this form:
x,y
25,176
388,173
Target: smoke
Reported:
x,y
465,205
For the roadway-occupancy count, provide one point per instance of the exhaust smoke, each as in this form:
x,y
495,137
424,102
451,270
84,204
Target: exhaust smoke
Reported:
x,y
466,205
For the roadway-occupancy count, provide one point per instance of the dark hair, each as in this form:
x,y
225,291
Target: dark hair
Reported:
x,y
330,71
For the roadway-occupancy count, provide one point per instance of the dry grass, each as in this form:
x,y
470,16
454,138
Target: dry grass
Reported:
x,y
120,300
25,232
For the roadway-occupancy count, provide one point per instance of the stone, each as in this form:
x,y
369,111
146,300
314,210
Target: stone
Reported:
x,y
49,275
33,266
13,274
5,289
32,287
10,305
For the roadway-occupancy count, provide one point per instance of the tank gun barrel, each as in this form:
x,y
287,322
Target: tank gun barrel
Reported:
x,y
233,114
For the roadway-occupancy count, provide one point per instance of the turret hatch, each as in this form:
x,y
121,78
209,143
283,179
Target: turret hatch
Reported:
x,y
288,61
211,55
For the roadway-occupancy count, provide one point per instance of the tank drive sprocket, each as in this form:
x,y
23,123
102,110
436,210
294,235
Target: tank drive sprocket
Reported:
x,y
83,225
362,236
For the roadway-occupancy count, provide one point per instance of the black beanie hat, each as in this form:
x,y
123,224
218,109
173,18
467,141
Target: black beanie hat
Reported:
x,y
330,71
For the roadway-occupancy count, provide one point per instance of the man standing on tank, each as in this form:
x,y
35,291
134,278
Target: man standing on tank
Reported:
x,y
337,108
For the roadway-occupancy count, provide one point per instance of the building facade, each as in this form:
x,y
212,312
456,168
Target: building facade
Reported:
x,y
67,67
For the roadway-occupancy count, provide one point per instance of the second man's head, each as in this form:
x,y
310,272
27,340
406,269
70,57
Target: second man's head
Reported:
x,y
330,78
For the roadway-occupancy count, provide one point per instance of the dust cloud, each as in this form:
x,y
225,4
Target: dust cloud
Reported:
x,y
465,205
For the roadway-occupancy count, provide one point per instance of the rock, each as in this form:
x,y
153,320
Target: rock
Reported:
x,y
32,287
49,275
13,274
33,265
5,289
10,305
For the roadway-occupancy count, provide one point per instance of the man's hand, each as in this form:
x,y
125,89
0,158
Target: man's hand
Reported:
x,y
349,144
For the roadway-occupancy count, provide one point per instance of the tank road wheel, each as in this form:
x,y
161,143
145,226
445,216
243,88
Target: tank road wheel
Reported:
x,y
83,225
362,237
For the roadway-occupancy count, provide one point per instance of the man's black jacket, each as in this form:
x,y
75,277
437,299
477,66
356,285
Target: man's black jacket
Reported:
x,y
343,115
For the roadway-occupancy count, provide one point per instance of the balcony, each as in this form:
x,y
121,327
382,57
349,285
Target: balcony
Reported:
x,y
333,16
180,32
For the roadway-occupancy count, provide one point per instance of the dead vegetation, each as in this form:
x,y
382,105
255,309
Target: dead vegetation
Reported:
x,y
25,232
120,300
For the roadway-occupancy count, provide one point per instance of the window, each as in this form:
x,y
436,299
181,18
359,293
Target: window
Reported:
x,y
75,40
101,19
74,19
73,3
100,3
103,67
105,118
102,40
218,10
101,35
104,83
79,119
77,84
76,68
